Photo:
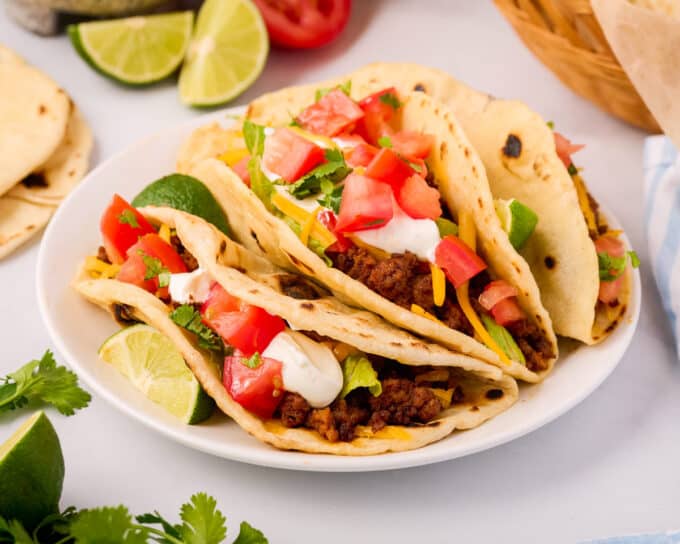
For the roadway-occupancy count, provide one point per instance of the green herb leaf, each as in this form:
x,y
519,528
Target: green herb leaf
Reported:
x,y
106,525
253,135
385,141
334,170
332,199
551,125
203,522
446,227
357,371
253,361
128,217
634,259
156,518
504,339
249,535
187,317
417,167
13,531
572,169
391,100
154,269
611,268
345,87
313,244
42,380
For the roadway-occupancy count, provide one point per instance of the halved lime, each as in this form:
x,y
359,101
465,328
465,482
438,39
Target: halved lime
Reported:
x,y
155,366
517,220
31,472
226,54
135,50
183,193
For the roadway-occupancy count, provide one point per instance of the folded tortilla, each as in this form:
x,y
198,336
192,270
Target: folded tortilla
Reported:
x,y
462,183
256,281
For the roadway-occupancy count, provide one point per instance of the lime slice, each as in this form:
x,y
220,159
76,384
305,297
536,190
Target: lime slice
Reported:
x,y
183,193
155,366
31,472
226,55
517,220
135,50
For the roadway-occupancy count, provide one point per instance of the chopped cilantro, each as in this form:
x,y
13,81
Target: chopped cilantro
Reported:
x,y
551,125
611,268
155,269
391,100
187,317
572,170
634,259
417,167
253,361
335,169
385,141
345,87
331,198
294,122
128,217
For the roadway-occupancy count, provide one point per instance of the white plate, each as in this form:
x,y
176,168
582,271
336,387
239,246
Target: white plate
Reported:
x,y
78,328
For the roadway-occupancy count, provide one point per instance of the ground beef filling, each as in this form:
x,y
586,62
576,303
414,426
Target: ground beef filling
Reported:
x,y
402,402
405,280
189,260
298,287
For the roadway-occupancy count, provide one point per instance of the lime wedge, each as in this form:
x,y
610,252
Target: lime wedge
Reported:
x,y
517,220
135,50
31,472
227,52
183,193
155,366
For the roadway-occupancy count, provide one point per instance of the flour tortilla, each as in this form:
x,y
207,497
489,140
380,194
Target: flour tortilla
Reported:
x,y
34,112
20,221
463,185
251,279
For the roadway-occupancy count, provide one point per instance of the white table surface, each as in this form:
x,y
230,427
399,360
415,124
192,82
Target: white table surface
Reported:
x,y
610,466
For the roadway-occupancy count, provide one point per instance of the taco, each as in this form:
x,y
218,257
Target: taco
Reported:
x,y
580,264
384,201
291,365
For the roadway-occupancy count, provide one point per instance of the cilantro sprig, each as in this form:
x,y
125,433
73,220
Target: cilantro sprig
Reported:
x,y
334,170
187,317
43,380
611,268
201,523
345,87
391,100
128,217
155,269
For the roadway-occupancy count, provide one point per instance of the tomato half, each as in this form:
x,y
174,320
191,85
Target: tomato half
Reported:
x,y
258,390
389,167
303,24
241,170
366,204
361,155
290,155
332,114
245,327
418,199
121,226
565,148
507,311
457,260
496,291
412,144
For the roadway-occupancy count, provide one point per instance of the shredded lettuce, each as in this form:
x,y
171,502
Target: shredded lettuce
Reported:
x,y
611,268
446,227
253,134
313,244
259,183
504,339
335,169
357,371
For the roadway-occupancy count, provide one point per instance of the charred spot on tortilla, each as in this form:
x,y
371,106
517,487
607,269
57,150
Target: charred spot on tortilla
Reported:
x,y
474,409
42,110
124,314
513,146
467,152
298,287
36,179
254,291
494,394
254,237
479,201
307,306
442,150
550,262
396,344
419,87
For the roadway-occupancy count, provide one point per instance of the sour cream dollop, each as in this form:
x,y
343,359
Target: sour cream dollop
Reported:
x,y
190,287
309,368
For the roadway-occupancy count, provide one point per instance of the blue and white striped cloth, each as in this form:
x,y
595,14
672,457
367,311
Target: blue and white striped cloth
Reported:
x,y
662,219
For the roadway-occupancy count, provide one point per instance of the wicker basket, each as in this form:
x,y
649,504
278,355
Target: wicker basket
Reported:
x,y
566,37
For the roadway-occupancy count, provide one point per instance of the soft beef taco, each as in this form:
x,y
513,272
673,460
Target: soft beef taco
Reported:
x,y
291,365
385,201
579,263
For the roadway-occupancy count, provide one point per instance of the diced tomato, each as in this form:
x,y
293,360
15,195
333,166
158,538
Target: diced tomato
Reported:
x,y
290,155
418,199
381,103
418,165
245,327
334,113
366,204
327,219
121,226
241,169
412,144
457,260
565,148
389,167
496,291
259,390
507,311
610,290
361,155
373,126
133,271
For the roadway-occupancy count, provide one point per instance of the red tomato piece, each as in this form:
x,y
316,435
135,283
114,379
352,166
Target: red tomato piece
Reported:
x,y
412,144
418,199
381,103
374,126
154,246
366,204
121,226
290,155
565,148
245,327
327,219
390,168
457,260
302,24
507,311
241,169
496,291
361,155
610,290
133,271
259,390
334,113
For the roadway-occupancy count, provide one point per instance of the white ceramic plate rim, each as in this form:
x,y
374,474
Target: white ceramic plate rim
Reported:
x,y
591,365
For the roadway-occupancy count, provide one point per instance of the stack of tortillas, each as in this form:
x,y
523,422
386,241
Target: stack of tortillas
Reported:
x,y
45,148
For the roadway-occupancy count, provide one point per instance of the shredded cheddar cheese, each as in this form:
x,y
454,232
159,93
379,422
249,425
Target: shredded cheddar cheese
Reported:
x,y
306,228
467,233
444,395
318,232
390,431
438,284
584,203
98,268
164,233
321,141
419,310
232,156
